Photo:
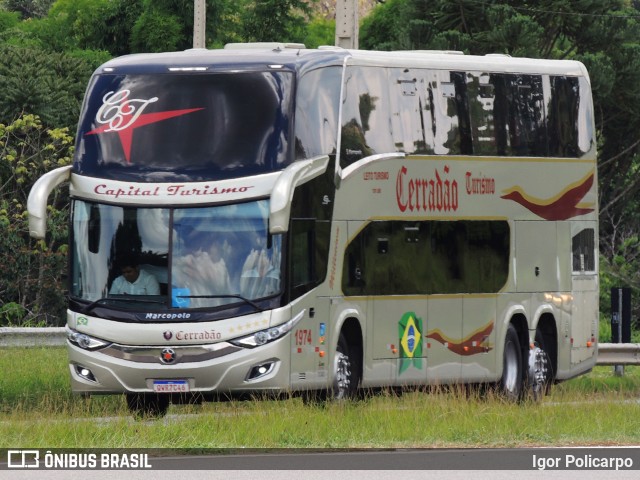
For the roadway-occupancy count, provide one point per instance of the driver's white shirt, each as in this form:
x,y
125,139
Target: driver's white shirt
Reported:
x,y
145,284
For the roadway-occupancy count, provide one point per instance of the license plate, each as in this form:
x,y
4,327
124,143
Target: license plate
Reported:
x,y
170,386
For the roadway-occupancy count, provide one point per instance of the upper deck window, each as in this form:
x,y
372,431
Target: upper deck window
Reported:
x,y
447,112
193,127
317,105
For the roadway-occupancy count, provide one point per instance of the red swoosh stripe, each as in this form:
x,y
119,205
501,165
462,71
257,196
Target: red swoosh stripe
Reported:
x,y
126,135
565,207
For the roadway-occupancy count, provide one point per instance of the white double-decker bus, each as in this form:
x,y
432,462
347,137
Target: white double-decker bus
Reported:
x,y
270,218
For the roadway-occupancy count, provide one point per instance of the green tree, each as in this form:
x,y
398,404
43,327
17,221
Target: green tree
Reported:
x,y
76,21
115,33
8,20
50,85
31,280
168,24
274,20
70,25
28,8
158,31
319,31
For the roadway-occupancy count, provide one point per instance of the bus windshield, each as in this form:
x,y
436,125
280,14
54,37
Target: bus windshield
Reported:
x,y
184,258
178,127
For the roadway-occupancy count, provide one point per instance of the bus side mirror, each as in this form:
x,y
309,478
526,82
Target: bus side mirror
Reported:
x,y
282,194
37,201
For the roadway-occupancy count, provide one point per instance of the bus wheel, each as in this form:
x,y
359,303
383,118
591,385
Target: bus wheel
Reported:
x,y
147,405
345,381
539,375
511,381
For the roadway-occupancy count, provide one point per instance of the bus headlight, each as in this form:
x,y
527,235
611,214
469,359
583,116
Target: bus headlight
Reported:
x,y
85,341
269,335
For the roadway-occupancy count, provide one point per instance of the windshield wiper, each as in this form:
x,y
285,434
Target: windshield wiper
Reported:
x,y
133,299
228,295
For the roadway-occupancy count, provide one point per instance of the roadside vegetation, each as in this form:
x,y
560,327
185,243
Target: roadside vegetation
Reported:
x,y
37,410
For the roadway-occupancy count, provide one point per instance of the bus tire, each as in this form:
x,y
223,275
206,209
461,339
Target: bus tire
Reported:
x,y
345,371
147,405
511,382
540,373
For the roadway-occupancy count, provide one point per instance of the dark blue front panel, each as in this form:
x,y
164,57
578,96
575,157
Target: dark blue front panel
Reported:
x,y
185,127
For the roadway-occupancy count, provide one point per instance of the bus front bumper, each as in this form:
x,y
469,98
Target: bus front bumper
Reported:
x,y
216,368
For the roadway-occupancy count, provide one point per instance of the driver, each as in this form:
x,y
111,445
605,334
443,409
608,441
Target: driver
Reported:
x,y
134,280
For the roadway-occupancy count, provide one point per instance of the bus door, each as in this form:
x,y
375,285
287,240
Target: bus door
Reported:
x,y
309,336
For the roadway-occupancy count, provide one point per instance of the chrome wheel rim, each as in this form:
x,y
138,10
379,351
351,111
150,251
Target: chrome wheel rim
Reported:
x,y
342,370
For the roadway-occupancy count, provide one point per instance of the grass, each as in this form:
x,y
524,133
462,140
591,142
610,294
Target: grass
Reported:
x,y
37,410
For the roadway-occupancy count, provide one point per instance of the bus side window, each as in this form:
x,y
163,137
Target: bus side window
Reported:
x,y
518,112
481,95
462,111
302,248
450,113
365,128
318,102
562,118
411,111
353,282
584,251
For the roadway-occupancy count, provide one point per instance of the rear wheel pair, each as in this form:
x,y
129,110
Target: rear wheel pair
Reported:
x,y
540,372
519,379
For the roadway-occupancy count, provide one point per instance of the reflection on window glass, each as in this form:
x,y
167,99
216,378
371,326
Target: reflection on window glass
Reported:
x,y
529,115
142,235
317,107
481,94
584,251
411,117
366,115
309,233
444,112
222,251
563,111
519,115
216,252
301,258
427,257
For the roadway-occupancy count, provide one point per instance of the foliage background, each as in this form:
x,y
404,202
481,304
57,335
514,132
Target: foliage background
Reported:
x,y
48,50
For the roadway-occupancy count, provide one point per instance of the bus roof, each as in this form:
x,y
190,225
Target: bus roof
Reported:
x,y
296,57
447,60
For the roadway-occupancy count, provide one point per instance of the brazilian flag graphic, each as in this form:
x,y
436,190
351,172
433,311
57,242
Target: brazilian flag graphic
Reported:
x,y
410,334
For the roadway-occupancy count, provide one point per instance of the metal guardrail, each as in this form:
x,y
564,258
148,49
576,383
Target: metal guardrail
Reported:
x,y
608,353
618,354
32,336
